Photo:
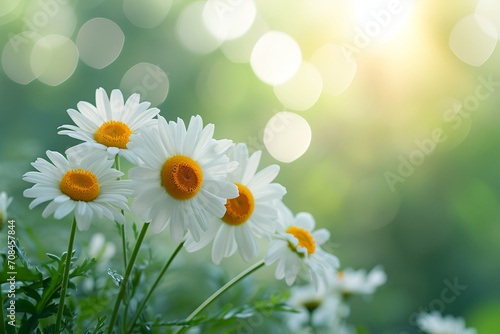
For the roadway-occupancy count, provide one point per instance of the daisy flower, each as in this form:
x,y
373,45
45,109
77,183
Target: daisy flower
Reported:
x,y
317,307
4,204
297,249
435,323
250,215
358,282
182,180
107,127
88,187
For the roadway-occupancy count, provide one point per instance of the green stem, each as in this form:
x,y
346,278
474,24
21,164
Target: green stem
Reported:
x,y
123,285
158,279
219,292
64,286
122,226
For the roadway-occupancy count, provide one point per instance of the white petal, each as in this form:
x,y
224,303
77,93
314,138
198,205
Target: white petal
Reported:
x,y
83,215
194,128
246,242
305,220
321,236
58,160
265,176
102,103
64,209
116,102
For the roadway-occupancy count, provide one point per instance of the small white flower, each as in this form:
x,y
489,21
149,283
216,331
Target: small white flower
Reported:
x,y
358,282
297,249
435,323
100,249
250,215
4,204
87,187
107,127
182,180
325,309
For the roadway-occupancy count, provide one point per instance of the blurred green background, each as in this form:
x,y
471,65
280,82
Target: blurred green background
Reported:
x,y
400,97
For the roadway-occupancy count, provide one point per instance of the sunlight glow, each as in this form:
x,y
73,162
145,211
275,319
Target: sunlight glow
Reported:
x,y
287,136
303,90
276,57
228,20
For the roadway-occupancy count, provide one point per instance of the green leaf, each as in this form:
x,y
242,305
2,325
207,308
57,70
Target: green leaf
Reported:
x,y
24,306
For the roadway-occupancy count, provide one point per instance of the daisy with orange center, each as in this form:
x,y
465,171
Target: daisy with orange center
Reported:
x,y
251,215
88,187
107,127
297,249
181,182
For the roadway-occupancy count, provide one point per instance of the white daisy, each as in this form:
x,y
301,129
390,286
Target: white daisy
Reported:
x,y
4,204
435,323
318,307
107,127
87,187
250,215
297,249
182,180
358,282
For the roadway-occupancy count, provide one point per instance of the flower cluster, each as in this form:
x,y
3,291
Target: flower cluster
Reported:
x,y
328,308
435,323
206,192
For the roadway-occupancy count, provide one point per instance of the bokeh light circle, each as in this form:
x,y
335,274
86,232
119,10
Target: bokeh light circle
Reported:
x,y
54,59
337,67
473,39
240,49
100,42
287,136
192,32
490,10
50,18
276,57
303,90
9,10
146,13
16,57
148,80
228,20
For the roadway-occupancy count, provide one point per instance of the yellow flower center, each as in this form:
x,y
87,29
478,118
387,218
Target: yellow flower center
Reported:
x,y
304,237
182,177
239,209
80,185
113,134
